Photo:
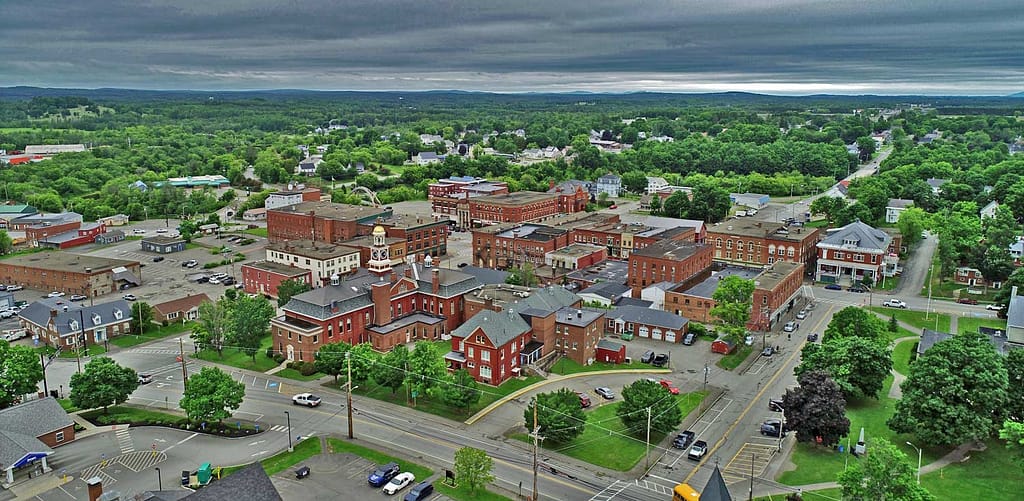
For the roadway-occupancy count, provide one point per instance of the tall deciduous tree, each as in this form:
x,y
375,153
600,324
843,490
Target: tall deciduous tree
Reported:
x,y
473,468
364,360
102,383
911,223
559,415
212,328
816,409
858,365
390,372
330,359
830,207
1015,385
6,243
210,395
289,288
642,395
955,392
460,390
426,368
249,323
856,322
142,316
885,473
20,372
733,301
1013,433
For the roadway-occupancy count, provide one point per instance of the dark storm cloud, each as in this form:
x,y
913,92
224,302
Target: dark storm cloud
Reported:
x,y
783,46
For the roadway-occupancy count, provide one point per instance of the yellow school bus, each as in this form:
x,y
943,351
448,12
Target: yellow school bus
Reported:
x,y
683,492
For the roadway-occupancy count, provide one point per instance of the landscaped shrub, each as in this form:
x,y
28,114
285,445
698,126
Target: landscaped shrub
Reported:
x,y
307,369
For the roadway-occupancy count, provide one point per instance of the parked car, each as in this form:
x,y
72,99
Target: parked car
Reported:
x,y
689,339
3,287
7,313
191,263
463,265
775,404
422,491
145,378
605,392
162,230
683,440
698,450
584,399
802,314
647,357
812,337
77,297
992,307
857,288
767,352
894,303
228,281
202,279
129,297
139,231
669,386
660,360
307,399
383,474
11,335
55,294
749,340
157,259
770,427
789,327
834,287
214,281
12,288
967,300
398,483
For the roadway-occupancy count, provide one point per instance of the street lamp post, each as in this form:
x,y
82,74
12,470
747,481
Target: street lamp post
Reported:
x,y
289,417
918,462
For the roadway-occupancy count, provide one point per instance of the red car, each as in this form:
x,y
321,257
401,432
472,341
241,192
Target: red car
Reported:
x,y
668,386
584,399
967,300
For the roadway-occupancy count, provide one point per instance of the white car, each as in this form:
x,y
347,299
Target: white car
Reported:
x,y
894,303
307,399
993,307
55,294
161,230
7,313
139,231
789,327
129,297
214,281
398,483
14,288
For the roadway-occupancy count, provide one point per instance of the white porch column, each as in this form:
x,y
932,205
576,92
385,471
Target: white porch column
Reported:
x,y
10,475
46,468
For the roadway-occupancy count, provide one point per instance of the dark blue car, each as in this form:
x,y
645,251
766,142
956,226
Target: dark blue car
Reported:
x,y
834,287
383,474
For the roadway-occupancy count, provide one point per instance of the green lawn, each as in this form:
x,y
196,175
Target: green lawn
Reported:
x,y
283,460
818,464
461,493
259,232
888,284
152,333
296,375
570,366
123,414
66,404
237,358
822,495
94,349
991,475
971,324
902,354
734,359
937,321
603,444
339,446
433,405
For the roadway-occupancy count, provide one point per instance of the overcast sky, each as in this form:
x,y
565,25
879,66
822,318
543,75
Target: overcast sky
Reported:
x,y
954,47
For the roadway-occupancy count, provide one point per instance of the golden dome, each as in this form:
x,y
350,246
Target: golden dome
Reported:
x,y
379,230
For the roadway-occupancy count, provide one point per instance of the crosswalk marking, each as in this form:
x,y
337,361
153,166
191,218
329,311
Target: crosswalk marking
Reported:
x,y
611,491
124,441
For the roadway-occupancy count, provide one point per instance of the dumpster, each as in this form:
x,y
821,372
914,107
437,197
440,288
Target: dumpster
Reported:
x,y
204,474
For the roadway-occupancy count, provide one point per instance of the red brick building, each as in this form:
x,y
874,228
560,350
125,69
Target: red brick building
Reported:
x,y
446,194
857,252
775,293
321,221
264,277
746,242
31,430
506,245
668,261
183,309
519,207
411,303
90,276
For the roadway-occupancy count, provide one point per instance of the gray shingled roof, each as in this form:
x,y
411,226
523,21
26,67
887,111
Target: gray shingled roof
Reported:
x,y
485,275
605,344
577,316
38,313
22,423
648,316
499,327
900,203
249,484
607,290
547,299
1015,312
14,446
866,236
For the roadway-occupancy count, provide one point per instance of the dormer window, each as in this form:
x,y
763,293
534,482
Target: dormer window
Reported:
x,y
118,314
73,324
96,319
852,242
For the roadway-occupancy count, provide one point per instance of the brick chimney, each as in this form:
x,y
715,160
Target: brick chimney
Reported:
x,y
95,488
380,295
435,280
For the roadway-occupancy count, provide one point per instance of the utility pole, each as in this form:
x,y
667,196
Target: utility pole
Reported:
x,y
181,355
536,437
348,359
647,451
42,361
750,497
929,307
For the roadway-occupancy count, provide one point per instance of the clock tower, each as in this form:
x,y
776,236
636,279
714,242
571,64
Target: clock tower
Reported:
x,y
380,258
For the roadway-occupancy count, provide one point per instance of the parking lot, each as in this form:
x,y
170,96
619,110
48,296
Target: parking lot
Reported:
x,y
335,476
